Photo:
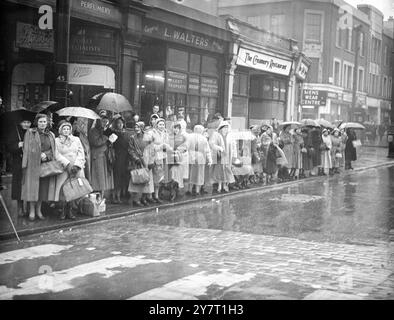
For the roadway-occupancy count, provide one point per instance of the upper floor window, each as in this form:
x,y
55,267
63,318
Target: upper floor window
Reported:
x,y
313,26
277,24
348,39
386,56
254,21
360,80
361,44
338,37
337,73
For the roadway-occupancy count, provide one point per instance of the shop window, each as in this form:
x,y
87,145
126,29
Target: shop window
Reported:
x,y
177,59
209,65
275,90
255,87
267,89
195,62
240,86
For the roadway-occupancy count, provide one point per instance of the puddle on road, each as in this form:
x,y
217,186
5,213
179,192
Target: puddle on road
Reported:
x,y
301,198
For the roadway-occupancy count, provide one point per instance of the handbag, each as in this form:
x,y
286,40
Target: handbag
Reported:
x,y
356,143
338,155
50,168
139,176
75,188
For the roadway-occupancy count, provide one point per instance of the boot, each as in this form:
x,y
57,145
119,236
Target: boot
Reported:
x,y
69,212
63,213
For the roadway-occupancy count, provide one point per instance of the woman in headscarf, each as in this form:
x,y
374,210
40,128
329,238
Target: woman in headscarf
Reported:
x,y
269,140
336,151
326,164
199,156
121,172
160,170
38,147
141,194
14,144
227,155
287,138
72,156
177,141
102,173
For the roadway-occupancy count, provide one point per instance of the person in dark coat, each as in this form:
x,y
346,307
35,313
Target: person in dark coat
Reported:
x,y
315,144
14,146
350,150
121,172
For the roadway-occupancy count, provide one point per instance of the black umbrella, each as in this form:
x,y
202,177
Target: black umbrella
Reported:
x,y
45,106
9,119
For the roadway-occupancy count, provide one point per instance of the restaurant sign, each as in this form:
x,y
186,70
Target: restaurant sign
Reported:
x,y
314,97
171,33
263,62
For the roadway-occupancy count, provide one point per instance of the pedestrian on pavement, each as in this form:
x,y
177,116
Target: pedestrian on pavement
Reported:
x,y
72,156
326,163
14,144
350,150
307,152
336,151
38,147
199,156
80,130
120,170
141,194
102,172
298,147
316,143
257,155
269,140
287,138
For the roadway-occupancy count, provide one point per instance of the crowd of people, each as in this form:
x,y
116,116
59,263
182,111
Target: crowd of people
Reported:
x,y
178,161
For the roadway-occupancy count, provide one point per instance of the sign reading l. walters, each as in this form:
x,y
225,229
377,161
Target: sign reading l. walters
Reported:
x,y
314,97
264,62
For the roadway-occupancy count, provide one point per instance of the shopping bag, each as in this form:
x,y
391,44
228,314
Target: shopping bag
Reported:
x,y
75,188
356,143
50,168
139,176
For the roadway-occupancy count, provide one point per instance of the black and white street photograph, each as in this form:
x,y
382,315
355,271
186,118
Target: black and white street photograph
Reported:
x,y
220,151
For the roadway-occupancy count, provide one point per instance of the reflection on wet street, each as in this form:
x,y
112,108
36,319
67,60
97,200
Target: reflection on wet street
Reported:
x,y
349,208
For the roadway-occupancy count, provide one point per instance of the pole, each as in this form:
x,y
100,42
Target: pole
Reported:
x,y
355,71
8,215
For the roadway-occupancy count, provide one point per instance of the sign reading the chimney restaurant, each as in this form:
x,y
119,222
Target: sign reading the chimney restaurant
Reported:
x,y
171,33
264,62
314,97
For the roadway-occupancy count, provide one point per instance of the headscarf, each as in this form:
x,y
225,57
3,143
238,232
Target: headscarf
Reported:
x,y
63,139
198,129
159,120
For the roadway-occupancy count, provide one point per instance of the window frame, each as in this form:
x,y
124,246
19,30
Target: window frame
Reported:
x,y
313,12
362,87
339,72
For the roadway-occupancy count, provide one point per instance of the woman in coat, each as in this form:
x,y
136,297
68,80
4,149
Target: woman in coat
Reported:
x,y
102,174
72,157
307,152
326,164
199,156
14,146
336,151
288,147
38,147
350,150
257,154
80,129
141,194
298,147
120,170
269,140
315,145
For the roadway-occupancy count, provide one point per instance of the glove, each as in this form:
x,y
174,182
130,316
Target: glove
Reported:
x,y
74,170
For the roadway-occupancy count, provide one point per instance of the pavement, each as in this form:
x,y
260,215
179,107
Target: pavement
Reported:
x,y
368,157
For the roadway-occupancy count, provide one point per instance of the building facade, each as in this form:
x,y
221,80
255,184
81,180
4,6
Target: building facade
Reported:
x,y
346,45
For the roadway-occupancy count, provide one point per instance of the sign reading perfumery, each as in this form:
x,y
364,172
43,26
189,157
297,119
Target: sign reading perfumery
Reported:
x,y
97,9
171,33
263,62
314,97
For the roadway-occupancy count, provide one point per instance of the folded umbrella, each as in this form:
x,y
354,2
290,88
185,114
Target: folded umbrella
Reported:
x,y
114,102
45,106
78,112
351,125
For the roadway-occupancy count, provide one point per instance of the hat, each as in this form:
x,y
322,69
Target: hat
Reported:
x,y
103,114
63,124
141,124
223,124
159,120
155,115
324,130
254,129
198,128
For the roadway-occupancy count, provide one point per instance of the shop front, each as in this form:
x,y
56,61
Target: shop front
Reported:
x,y
182,72
260,86
94,49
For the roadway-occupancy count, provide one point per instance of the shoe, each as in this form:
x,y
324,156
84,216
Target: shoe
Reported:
x,y
71,216
32,218
215,191
150,200
224,191
137,204
203,191
62,215
40,216
188,193
157,200
143,201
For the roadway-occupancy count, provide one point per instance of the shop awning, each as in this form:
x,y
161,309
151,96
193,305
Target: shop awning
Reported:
x,y
91,75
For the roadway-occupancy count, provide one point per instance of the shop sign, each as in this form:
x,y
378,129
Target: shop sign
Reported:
x,y
176,81
90,74
194,84
168,32
332,95
263,62
209,86
97,9
90,42
302,70
314,97
32,37
347,97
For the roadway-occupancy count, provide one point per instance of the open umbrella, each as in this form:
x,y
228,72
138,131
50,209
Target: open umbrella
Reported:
x,y
114,102
325,123
78,112
351,125
11,118
45,106
292,124
309,123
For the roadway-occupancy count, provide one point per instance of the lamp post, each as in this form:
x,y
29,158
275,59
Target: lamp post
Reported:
x,y
357,29
390,131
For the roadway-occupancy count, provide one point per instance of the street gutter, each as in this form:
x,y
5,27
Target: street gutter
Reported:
x,y
266,188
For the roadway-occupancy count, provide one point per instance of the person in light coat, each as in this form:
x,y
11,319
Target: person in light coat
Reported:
x,y
336,151
72,157
326,164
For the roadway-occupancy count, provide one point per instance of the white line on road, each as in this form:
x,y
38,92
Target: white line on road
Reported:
x,y
61,280
188,288
45,250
